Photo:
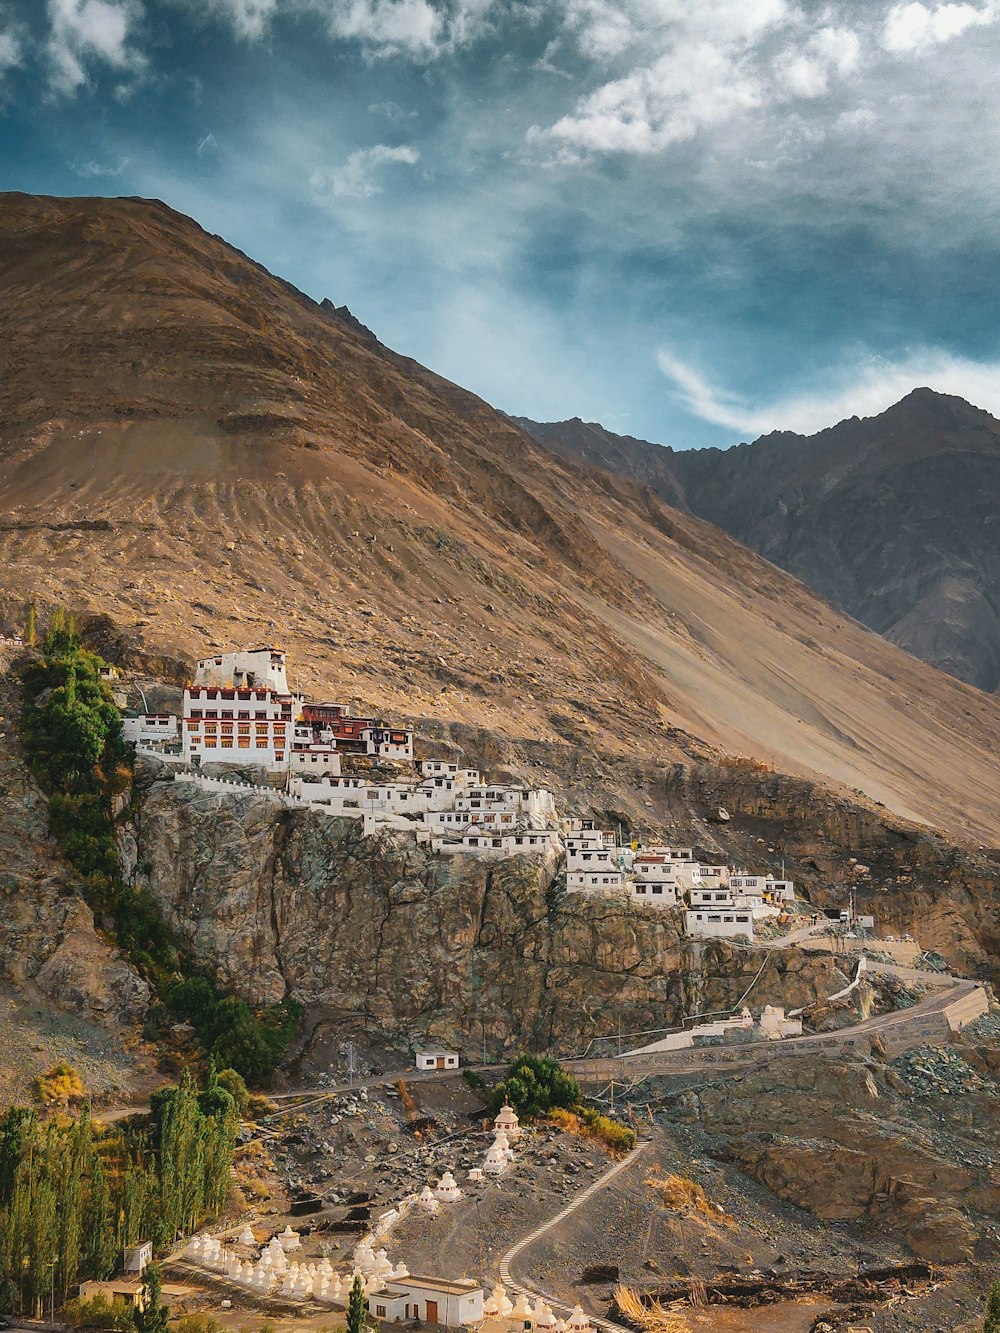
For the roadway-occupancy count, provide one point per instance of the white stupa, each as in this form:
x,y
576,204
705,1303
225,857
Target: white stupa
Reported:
x,y
498,1304
578,1321
508,1122
247,1237
289,1239
383,1265
544,1318
447,1190
427,1199
521,1310
496,1161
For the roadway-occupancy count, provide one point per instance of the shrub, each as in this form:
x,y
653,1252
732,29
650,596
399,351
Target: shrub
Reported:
x,y
534,1085
236,1086
195,1323
60,1085
99,1312
619,1139
991,1321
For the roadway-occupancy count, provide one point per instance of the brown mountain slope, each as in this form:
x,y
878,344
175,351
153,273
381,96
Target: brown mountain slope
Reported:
x,y
893,517
198,450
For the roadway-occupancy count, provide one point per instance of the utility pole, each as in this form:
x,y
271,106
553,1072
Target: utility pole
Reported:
x,y
350,1064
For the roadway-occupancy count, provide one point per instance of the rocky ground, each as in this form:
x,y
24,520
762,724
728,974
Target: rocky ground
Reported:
x,y
115,1066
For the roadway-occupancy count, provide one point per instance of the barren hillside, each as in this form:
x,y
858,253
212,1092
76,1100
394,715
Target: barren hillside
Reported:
x,y
891,517
196,449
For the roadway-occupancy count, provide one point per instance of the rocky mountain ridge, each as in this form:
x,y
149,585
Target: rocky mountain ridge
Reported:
x,y
891,517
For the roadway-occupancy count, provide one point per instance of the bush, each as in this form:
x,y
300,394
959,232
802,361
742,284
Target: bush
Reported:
x,y
991,1322
474,1080
619,1139
534,1085
236,1086
195,1323
99,1312
60,1085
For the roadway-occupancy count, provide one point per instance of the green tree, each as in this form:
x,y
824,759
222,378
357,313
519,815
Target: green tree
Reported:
x,y
991,1322
357,1310
154,1317
31,626
534,1085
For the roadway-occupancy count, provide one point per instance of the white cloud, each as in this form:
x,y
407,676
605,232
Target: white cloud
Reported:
x,y
10,51
417,28
85,30
206,143
828,52
250,18
358,177
98,170
862,390
709,66
915,27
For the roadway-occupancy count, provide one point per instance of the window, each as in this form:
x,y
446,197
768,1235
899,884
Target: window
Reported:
x,y
243,713
227,742
244,742
210,742
380,1311
657,888
196,712
261,744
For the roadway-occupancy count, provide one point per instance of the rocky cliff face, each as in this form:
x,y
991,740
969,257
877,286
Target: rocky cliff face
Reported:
x,y
862,1142
293,903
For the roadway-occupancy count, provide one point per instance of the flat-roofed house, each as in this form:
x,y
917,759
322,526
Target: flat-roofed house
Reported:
x,y
431,1300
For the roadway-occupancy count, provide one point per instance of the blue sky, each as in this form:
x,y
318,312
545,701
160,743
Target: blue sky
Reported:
x,y
694,221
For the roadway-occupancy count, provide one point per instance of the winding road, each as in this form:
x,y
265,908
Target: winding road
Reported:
x,y
602,1182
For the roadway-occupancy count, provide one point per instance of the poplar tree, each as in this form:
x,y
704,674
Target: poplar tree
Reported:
x,y
356,1308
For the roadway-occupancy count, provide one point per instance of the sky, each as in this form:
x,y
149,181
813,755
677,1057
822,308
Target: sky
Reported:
x,y
695,221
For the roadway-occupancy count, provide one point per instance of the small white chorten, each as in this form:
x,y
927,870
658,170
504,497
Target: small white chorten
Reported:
x,y
447,1190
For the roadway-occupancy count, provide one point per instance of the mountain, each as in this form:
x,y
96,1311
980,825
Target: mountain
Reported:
x,y
203,456
895,518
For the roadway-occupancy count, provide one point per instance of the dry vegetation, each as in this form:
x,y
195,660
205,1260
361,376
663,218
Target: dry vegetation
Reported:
x,y
679,1195
649,1316
60,1085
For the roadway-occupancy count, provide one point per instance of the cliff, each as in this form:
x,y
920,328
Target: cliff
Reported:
x,y
293,903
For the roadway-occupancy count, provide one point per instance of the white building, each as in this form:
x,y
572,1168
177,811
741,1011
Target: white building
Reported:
x,y
728,923
438,768
714,898
654,880
317,760
256,668
150,728
764,887
431,1300
232,724
602,880
437,1059
485,842
655,893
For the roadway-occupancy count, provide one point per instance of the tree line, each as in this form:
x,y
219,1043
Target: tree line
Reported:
x,y
73,1194
74,746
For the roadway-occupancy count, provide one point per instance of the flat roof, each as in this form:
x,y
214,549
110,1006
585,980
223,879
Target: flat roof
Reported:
x,y
438,1050
460,1288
